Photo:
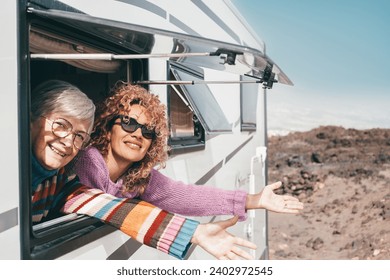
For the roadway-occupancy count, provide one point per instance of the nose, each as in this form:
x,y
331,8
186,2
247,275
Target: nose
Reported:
x,y
68,140
137,133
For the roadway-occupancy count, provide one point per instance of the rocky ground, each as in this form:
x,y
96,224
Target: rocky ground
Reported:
x,y
343,177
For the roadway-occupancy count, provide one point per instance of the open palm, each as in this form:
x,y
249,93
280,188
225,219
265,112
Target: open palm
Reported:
x,y
214,238
267,199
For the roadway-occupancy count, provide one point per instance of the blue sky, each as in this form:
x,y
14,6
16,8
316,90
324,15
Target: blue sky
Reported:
x,y
337,53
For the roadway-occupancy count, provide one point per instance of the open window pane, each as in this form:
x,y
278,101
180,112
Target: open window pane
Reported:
x,y
186,132
249,93
202,102
181,117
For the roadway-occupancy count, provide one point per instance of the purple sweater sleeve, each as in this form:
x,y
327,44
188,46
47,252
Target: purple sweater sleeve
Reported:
x,y
193,200
170,195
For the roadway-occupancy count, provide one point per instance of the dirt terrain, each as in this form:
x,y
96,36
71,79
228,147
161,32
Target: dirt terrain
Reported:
x,y
343,177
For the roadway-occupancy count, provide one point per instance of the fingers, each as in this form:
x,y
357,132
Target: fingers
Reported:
x,y
276,185
292,202
245,243
292,211
241,254
290,198
229,222
236,254
292,205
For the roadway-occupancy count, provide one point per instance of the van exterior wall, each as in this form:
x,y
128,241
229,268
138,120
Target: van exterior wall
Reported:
x,y
9,171
192,167
217,19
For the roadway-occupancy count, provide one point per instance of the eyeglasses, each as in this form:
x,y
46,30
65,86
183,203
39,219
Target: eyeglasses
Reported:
x,y
62,128
130,125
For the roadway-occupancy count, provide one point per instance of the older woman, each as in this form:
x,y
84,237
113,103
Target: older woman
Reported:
x,y
130,139
62,117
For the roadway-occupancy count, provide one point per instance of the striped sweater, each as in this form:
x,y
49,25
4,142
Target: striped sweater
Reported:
x,y
140,220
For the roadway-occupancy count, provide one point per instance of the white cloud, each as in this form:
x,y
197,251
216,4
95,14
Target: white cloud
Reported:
x,y
291,110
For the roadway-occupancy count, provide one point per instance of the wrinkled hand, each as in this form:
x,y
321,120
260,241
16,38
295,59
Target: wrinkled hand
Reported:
x,y
267,199
214,238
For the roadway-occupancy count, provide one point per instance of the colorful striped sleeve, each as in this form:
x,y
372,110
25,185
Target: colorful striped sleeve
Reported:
x,y
140,220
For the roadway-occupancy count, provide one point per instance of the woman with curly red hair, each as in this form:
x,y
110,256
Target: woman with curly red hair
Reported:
x,y
130,140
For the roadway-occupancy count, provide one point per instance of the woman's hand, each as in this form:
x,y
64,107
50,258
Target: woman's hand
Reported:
x,y
214,238
267,199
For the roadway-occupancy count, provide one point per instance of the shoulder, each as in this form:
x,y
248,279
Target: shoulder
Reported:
x,y
89,156
89,160
92,170
90,152
156,175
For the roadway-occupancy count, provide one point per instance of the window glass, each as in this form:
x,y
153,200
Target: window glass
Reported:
x,y
181,116
186,132
203,102
249,93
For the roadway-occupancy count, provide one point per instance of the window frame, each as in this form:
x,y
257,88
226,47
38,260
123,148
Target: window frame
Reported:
x,y
53,241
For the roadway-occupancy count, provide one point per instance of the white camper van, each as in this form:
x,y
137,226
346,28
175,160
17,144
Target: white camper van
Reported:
x,y
199,56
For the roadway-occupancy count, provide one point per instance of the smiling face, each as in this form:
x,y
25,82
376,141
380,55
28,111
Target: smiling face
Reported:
x,y
53,152
125,148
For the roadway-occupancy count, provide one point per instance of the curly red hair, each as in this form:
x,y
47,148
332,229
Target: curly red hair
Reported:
x,y
122,97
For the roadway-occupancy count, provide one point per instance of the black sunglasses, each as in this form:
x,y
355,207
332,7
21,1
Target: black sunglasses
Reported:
x,y
130,125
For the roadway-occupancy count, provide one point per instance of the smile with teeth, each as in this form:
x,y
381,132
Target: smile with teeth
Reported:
x,y
57,151
133,145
